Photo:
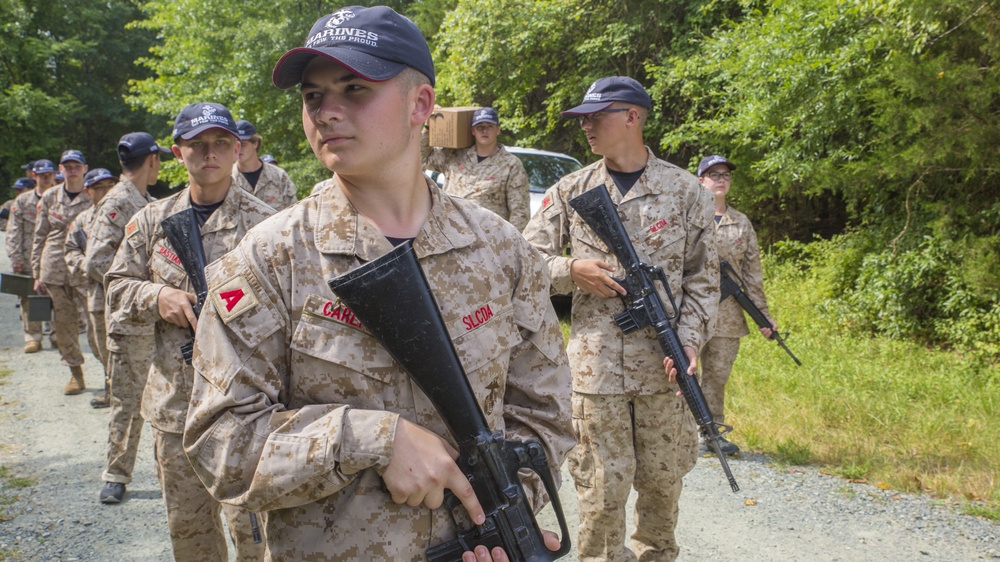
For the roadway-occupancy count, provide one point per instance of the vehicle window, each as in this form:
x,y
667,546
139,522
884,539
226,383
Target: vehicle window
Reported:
x,y
543,171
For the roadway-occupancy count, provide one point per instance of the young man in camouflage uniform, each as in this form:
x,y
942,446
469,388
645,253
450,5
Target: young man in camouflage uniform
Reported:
x,y
147,286
96,183
56,210
19,188
129,346
633,428
267,182
737,244
347,457
485,173
20,233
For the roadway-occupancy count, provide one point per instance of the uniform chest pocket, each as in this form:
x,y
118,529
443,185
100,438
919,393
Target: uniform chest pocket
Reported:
x,y
166,267
586,244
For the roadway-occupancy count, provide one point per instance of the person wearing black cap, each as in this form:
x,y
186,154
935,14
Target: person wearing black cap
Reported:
x,y
129,349
96,182
484,173
349,460
56,211
19,186
148,289
20,230
737,243
633,427
265,181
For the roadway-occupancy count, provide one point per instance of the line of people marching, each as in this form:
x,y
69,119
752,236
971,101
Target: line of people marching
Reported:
x,y
296,424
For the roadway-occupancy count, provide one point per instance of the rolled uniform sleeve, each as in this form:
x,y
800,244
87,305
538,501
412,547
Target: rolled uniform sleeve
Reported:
x,y
548,232
518,203
131,298
41,233
753,272
700,281
247,446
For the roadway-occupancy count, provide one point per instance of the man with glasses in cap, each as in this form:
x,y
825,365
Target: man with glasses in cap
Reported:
x,y
633,427
56,211
129,347
737,243
96,183
19,186
264,180
148,288
20,232
349,460
484,173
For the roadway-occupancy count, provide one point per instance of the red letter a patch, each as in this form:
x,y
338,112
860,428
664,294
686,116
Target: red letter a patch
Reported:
x,y
231,298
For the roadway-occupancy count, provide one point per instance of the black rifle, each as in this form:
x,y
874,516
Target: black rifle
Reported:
x,y
731,285
379,293
644,308
181,230
80,237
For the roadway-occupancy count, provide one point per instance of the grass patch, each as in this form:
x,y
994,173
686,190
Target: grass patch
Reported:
x,y
9,483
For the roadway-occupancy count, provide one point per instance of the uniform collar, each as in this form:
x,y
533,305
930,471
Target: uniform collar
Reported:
x,y
224,218
641,187
341,230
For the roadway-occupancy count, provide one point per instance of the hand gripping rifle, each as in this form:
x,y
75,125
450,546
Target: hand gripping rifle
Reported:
x,y
643,307
376,293
731,285
181,230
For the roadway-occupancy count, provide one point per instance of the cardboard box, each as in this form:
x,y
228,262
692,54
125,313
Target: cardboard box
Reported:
x,y
17,284
451,127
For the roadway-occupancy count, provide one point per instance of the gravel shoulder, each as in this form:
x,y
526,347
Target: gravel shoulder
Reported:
x,y
780,513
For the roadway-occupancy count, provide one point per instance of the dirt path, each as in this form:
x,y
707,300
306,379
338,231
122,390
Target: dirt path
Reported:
x,y
58,442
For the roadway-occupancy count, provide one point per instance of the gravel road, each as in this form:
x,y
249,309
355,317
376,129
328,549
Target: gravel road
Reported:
x,y
780,513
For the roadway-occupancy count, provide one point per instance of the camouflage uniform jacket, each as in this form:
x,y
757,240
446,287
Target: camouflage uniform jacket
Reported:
x,y
48,245
668,215
498,183
274,187
76,248
144,264
7,206
21,229
737,244
295,408
119,205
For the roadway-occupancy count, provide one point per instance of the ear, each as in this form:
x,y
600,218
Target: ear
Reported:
x,y
423,104
177,153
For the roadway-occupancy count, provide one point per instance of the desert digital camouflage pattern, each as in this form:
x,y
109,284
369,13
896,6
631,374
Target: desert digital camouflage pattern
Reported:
x,y
633,429
144,263
92,291
8,205
20,230
498,184
274,187
295,406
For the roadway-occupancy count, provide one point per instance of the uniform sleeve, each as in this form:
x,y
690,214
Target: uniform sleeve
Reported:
x,y
753,272
15,238
518,203
247,445
106,235
76,241
42,228
700,281
434,157
548,232
288,193
131,296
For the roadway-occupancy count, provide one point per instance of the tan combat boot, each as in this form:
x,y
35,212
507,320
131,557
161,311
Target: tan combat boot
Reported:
x,y
104,400
33,346
75,384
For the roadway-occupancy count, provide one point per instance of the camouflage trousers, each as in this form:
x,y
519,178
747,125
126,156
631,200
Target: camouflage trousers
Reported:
x,y
717,358
128,368
32,330
193,515
97,337
66,322
648,442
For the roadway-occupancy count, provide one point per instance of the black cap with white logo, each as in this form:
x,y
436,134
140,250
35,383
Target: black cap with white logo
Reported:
x,y
96,175
485,115
605,91
72,156
709,161
138,145
374,43
43,167
197,118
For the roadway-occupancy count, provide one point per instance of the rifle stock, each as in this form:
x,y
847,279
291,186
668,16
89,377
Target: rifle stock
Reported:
x,y
378,293
181,230
644,308
731,285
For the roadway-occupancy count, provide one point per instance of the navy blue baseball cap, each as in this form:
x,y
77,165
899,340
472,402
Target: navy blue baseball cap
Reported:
x,y
485,115
709,161
374,43
197,118
29,166
138,145
606,91
96,175
245,129
72,156
267,158
43,167
24,183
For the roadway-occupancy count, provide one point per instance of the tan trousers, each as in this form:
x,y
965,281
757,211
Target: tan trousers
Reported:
x,y
97,336
32,330
128,367
649,442
193,515
66,322
717,358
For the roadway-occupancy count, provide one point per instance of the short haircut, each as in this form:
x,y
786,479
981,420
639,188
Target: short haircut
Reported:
x,y
410,78
132,165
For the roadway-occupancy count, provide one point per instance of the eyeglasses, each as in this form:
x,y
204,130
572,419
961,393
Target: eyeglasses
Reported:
x,y
593,117
716,176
